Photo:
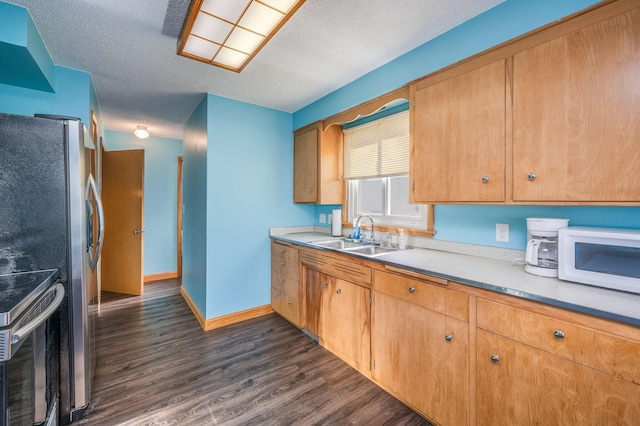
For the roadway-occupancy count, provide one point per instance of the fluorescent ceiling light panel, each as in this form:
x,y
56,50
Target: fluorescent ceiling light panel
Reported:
x,y
210,28
260,18
283,6
229,33
243,40
231,58
229,10
204,49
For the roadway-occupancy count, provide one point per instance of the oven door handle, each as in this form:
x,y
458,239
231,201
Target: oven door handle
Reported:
x,y
23,332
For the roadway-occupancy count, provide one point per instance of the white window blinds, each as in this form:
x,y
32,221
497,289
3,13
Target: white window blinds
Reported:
x,y
378,149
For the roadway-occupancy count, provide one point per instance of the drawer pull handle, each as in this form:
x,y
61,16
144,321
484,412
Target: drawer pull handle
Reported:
x,y
288,302
412,289
531,176
281,280
325,286
282,263
282,250
485,179
559,334
448,337
495,358
338,291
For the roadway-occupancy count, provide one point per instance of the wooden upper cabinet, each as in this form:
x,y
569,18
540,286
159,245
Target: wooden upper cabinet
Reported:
x,y
576,115
317,164
458,136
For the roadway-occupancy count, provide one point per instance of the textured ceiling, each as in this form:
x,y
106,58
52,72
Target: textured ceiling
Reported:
x,y
129,47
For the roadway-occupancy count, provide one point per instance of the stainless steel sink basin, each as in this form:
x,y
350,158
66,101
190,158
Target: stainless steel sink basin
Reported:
x,y
355,248
370,250
336,244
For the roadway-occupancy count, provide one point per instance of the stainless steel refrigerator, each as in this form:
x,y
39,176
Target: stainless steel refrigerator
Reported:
x,y
51,218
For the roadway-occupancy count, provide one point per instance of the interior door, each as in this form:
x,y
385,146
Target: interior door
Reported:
x,y
123,199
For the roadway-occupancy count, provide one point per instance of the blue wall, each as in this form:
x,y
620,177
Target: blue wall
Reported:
x,y
471,224
242,170
160,196
249,190
194,200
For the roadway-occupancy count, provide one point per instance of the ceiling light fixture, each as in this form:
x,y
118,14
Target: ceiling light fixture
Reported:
x,y
141,132
229,33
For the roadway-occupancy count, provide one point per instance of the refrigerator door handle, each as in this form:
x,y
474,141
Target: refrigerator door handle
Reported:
x,y
93,257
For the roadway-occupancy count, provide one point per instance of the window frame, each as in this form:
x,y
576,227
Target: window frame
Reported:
x,y
366,109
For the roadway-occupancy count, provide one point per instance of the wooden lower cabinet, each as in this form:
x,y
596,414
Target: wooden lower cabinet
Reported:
x,y
421,356
534,368
518,384
285,282
338,312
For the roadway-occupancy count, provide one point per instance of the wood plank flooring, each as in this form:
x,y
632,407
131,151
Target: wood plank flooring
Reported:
x,y
157,367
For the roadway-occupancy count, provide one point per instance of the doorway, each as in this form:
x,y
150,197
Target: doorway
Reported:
x,y
123,199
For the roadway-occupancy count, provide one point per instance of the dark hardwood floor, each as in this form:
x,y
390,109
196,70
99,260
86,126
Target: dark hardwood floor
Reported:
x,y
157,367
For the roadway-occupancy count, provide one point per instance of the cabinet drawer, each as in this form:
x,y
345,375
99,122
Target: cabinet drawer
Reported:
x,y
557,337
496,317
286,305
427,293
340,267
617,356
283,255
606,352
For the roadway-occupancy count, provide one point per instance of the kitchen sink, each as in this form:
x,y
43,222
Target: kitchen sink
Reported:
x,y
355,248
336,244
370,250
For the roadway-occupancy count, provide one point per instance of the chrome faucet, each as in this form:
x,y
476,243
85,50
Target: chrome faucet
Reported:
x,y
372,239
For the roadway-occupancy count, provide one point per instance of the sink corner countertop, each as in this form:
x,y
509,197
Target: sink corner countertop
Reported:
x,y
498,276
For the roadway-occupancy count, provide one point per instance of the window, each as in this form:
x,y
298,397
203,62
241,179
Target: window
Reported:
x,y
377,171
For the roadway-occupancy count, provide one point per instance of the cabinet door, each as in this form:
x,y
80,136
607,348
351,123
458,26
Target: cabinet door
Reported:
x,y
316,284
305,165
525,385
415,358
458,144
345,323
575,115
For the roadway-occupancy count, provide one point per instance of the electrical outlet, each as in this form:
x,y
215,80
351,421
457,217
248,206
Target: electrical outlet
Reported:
x,y
323,218
502,232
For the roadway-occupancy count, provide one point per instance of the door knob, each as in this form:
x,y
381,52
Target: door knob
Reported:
x,y
138,231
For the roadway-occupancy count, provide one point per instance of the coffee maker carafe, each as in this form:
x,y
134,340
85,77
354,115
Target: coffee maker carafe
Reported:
x,y
542,245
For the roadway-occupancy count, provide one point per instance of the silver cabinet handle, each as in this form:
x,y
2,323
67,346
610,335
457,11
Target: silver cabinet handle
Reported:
x,y
282,250
324,286
288,302
281,280
559,334
309,190
338,291
495,358
531,176
412,289
485,179
448,337
139,231
282,263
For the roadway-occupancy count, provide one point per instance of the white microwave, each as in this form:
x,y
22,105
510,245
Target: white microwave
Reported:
x,y
603,257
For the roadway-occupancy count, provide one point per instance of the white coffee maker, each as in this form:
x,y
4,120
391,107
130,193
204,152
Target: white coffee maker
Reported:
x,y
542,245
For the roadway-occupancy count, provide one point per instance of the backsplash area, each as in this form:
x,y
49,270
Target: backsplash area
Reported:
x,y
476,224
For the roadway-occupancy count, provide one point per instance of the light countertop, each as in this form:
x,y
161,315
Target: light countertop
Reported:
x,y
500,276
